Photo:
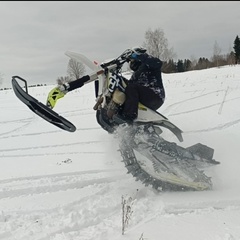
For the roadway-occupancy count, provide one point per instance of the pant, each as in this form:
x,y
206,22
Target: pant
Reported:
x,y
136,93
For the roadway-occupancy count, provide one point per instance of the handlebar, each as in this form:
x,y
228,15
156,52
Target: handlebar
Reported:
x,y
119,61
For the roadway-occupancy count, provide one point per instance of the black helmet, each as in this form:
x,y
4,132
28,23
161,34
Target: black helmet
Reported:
x,y
134,65
139,50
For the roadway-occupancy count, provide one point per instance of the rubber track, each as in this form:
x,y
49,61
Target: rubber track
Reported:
x,y
134,168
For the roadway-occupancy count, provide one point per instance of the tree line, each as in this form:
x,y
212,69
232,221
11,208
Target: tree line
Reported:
x,y
157,45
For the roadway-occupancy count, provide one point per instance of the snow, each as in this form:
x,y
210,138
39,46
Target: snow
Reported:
x,y
57,185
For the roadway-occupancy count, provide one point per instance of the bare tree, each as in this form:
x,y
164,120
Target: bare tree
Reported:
x,y
1,78
193,61
75,69
157,44
216,54
62,80
231,58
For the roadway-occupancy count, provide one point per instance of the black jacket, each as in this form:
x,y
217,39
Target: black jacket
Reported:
x,y
149,74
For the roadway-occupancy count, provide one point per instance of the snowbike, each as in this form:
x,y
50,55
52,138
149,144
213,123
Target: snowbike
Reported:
x,y
150,158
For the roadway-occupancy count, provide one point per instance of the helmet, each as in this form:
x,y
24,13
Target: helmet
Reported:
x,y
139,50
134,65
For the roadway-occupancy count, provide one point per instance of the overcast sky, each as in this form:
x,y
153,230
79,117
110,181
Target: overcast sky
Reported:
x,y
35,35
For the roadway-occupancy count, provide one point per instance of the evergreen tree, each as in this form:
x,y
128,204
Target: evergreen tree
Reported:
x,y
187,65
236,48
180,66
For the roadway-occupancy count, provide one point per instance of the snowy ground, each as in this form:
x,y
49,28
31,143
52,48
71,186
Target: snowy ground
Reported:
x,y
56,185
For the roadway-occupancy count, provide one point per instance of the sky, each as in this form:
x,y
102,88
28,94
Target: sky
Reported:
x,y
36,34
57,185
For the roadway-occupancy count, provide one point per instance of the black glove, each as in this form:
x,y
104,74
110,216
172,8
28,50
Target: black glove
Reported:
x,y
63,87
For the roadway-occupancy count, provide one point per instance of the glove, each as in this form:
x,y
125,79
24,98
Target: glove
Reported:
x,y
127,54
63,87
56,93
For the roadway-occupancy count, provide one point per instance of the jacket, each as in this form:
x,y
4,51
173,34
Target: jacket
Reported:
x,y
149,74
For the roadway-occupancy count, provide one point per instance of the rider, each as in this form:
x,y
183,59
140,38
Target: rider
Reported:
x,y
144,86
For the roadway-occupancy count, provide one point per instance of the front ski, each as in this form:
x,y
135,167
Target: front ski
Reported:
x,y
39,108
83,59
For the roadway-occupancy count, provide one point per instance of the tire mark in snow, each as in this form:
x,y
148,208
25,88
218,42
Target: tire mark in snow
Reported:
x,y
55,185
168,109
92,213
47,132
42,223
28,120
190,99
162,209
202,207
16,121
219,127
54,176
200,109
16,128
51,146
51,154
90,223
